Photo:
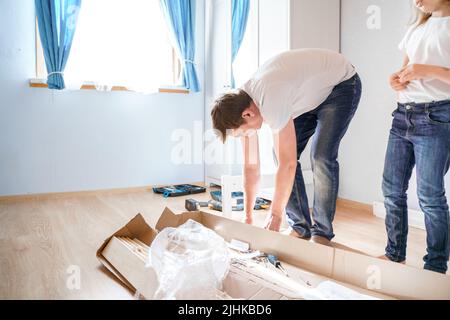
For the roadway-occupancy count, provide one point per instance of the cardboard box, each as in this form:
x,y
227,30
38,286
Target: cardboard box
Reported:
x,y
305,261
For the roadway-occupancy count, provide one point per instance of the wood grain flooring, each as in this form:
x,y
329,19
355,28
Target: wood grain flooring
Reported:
x,y
43,239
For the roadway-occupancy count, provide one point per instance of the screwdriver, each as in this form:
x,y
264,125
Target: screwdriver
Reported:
x,y
276,263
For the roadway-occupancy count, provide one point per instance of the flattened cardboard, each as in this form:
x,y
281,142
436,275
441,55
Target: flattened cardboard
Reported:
x,y
240,285
372,276
394,279
287,248
136,228
131,267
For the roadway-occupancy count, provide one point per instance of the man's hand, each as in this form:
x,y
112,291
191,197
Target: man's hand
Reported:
x,y
395,82
285,143
273,222
414,72
248,219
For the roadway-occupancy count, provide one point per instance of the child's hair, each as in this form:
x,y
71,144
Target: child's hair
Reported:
x,y
421,17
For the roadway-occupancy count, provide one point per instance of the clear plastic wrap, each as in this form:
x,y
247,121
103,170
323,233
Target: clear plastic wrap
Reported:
x,y
191,262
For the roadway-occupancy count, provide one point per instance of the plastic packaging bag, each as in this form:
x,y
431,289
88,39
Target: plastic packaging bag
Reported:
x,y
191,262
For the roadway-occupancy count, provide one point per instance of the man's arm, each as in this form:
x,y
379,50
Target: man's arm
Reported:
x,y
286,149
251,173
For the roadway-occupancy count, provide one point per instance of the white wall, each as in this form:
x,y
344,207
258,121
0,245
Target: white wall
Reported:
x,y
83,140
273,28
375,54
314,24
217,75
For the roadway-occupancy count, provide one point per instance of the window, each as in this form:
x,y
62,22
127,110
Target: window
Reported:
x,y
267,34
120,43
247,59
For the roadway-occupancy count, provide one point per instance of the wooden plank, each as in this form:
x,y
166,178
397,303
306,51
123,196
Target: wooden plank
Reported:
x,y
132,246
131,266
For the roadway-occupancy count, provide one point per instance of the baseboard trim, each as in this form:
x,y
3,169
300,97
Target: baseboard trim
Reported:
x,y
71,194
415,217
359,206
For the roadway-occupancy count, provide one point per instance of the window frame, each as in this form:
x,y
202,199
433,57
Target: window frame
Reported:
x,y
40,81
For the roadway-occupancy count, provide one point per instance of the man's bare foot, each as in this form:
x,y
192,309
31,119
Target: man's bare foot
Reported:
x,y
291,232
384,257
321,240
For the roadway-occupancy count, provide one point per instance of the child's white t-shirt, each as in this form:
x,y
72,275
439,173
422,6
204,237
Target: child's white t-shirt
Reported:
x,y
427,44
295,82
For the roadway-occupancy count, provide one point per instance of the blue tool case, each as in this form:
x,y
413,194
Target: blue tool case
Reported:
x,y
179,190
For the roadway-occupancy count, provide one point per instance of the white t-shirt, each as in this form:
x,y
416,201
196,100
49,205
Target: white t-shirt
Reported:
x,y
295,82
427,44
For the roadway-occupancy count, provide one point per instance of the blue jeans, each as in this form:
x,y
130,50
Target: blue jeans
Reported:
x,y
328,123
420,136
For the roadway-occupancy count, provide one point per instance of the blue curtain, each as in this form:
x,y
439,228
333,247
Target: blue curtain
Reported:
x,y
57,21
239,17
180,16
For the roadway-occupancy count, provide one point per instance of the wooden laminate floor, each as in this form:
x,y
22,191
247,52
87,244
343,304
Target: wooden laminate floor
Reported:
x,y
43,240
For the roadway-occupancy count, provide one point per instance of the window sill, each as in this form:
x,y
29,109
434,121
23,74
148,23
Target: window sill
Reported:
x,y
41,83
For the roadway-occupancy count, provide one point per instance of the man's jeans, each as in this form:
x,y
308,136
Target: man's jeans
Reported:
x,y
328,123
420,136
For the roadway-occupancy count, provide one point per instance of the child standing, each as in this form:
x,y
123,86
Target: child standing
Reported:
x,y
420,135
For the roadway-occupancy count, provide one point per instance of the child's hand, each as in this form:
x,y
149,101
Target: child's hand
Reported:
x,y
396,83
414,72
